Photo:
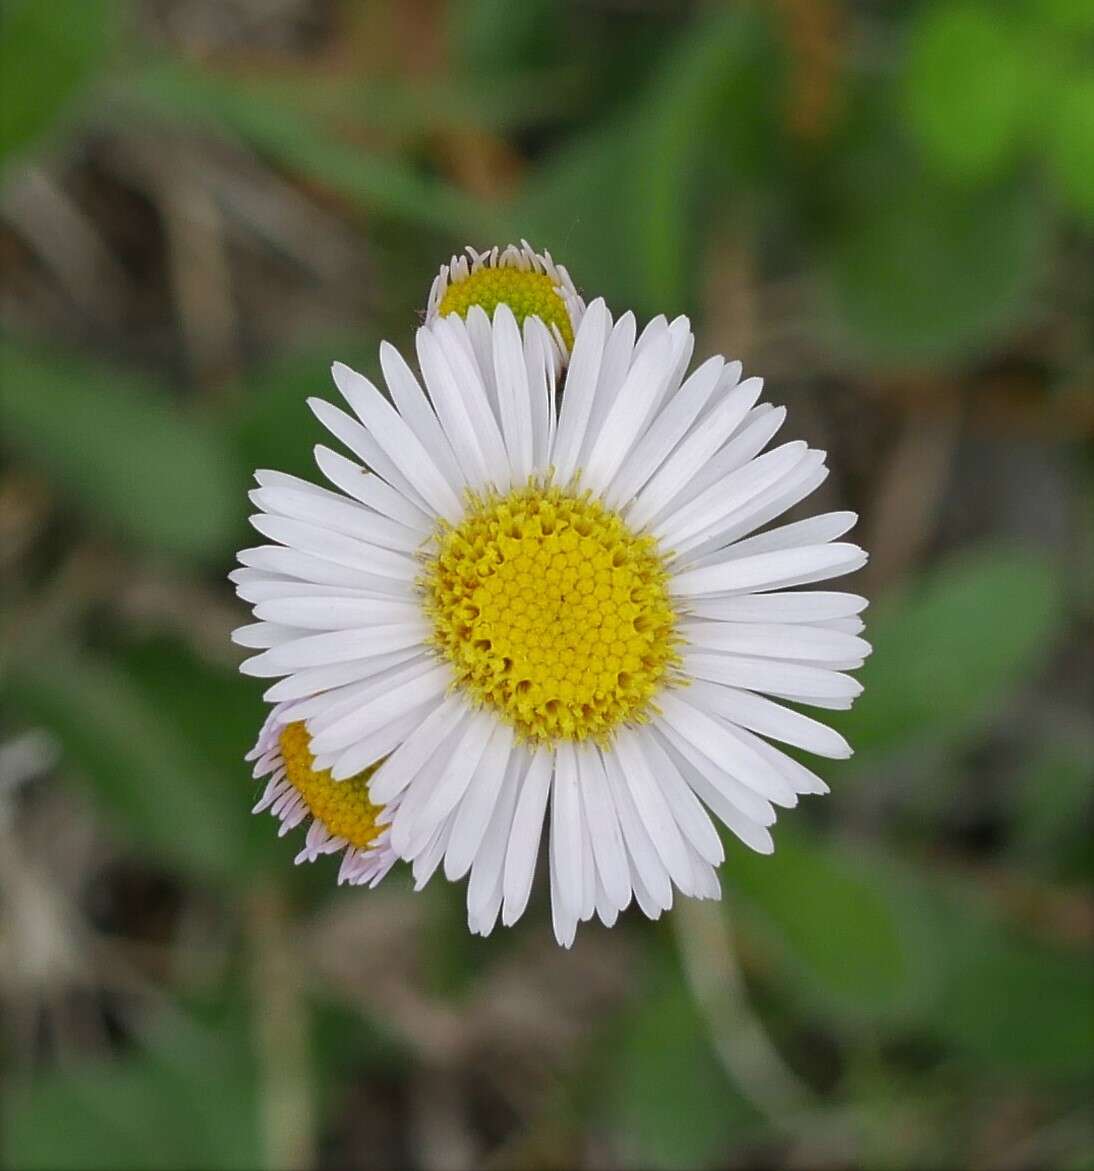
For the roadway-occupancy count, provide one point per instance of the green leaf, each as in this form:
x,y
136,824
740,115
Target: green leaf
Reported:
x,y
1074,17
217,713
969,89
878,938
920,273
696,83
495,37
135,761
671,1101
626,200
1000,995
828,913
48,54
124,455
187,1099
1051,804
949,651
1071,143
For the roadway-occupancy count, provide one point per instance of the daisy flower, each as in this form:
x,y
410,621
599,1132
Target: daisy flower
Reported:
x,y
341,816
529,282
553,609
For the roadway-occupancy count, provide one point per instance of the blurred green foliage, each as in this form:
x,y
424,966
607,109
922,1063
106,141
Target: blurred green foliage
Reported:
x,y
924,216
48,54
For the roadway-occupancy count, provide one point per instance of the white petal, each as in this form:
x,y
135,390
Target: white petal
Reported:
x,y
797,642
336,547
475,810
800,779
371,490
581,386
653,809
367,447
618,355
448,789
369,749
514,394
306,567
319,679
606,910
360,724
726,797
649,877
810,606
343,516
541,381
588,873
413,405
520,857
426,862
563,920
318,611
458,393
271,478
759,425
814,530
683,346
485,889
710,547
665,432
566,817
720,743
404,764
649,906
629,413
335,646
321,711
402,446
728,494
689,814
264,634
481,335
762,715
264,588
790,680
767,571
704,879
603,822
705,438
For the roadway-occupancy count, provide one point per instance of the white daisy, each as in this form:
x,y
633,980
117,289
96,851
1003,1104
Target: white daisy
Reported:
x,y
528,607
529,282
342,817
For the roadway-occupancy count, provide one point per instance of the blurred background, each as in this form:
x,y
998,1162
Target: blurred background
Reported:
x,y
885,209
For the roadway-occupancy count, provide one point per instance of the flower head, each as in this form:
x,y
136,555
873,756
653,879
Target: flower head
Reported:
x,y
529,282
341,816
554,608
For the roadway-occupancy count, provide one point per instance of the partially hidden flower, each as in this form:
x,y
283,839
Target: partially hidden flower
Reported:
x,y
550,601
340,815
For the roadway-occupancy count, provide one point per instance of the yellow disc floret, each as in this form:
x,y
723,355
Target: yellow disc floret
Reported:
x,y
527,293
342,806
553,613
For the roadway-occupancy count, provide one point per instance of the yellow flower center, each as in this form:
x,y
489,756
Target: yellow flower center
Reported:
x,y
552,613
528,294
342,806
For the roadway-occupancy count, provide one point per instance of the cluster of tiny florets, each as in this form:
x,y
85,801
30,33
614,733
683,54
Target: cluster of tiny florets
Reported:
x,y
527,293
552,613
343,807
